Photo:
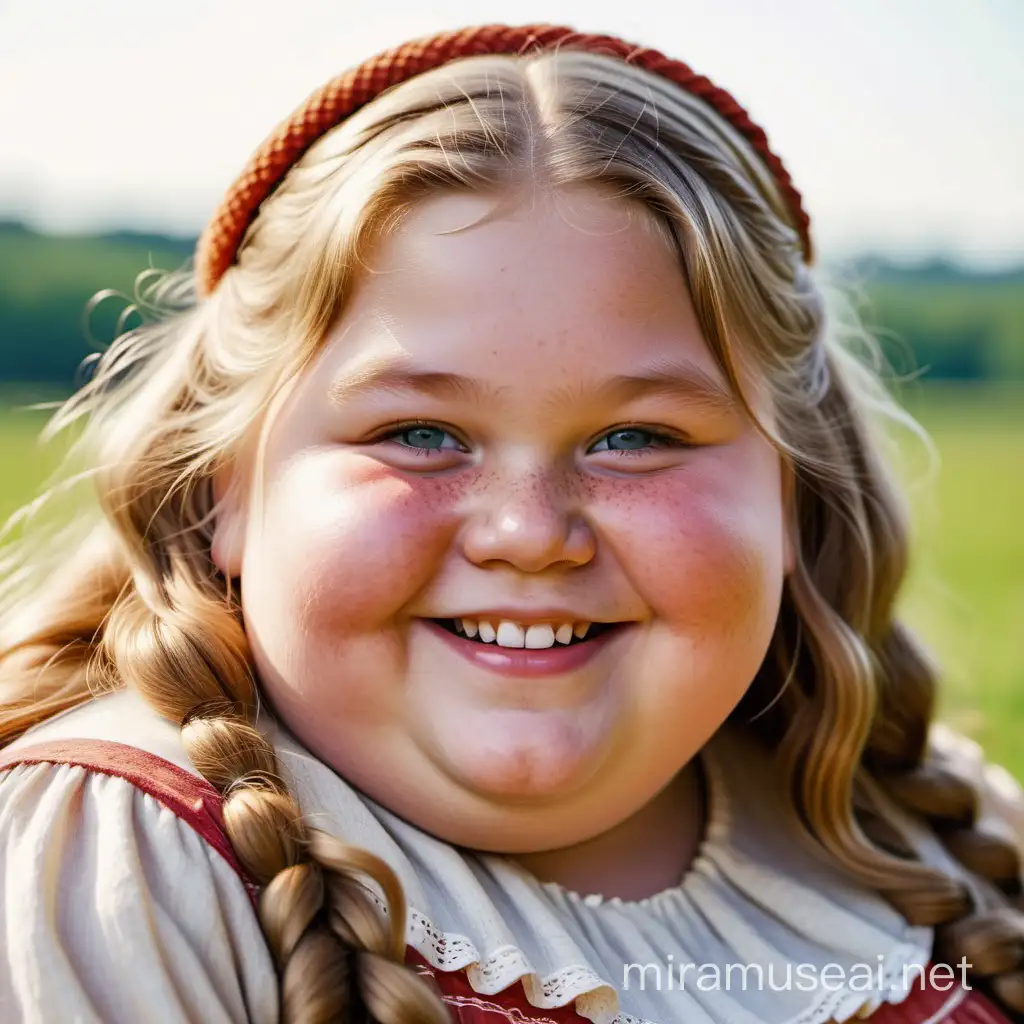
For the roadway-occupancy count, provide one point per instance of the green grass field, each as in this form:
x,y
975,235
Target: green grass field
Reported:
x,y
965,594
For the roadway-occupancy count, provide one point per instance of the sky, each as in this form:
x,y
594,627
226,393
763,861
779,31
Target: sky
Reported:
x,y
901,121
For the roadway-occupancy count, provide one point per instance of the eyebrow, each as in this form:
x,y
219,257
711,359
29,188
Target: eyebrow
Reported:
x,y
402,377
681,380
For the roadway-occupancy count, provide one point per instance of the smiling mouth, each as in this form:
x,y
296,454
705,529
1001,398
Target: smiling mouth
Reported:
x,y
594,630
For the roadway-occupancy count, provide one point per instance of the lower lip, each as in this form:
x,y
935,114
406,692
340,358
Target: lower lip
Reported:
x,y
525,662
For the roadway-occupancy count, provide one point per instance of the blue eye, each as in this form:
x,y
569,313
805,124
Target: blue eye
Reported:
x,y
423,439
630,440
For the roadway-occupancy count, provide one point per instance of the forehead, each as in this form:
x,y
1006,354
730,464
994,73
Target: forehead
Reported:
x,y
547,278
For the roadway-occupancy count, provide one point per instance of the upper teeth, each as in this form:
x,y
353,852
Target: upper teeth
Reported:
x,y
512,634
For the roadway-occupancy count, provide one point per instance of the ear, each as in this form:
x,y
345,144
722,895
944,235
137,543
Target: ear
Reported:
x,y
230,521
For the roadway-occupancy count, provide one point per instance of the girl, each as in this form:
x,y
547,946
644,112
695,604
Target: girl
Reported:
x,y
488,612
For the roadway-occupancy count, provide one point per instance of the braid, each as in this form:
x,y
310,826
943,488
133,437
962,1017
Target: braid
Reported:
x,y
339,957
990,934
989,930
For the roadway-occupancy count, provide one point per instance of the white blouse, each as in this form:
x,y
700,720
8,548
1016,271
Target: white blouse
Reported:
x,y
113,910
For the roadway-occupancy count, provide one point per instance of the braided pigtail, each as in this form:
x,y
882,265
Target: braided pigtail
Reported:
x,y
990,935
338,951
988,929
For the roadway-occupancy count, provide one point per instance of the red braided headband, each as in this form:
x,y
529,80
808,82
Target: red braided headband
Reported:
x,y
343,95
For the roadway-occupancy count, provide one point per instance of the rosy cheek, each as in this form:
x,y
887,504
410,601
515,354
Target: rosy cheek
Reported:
x,y
362,538
699,546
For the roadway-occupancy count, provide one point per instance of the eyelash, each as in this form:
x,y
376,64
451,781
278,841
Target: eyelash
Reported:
x,y
668,440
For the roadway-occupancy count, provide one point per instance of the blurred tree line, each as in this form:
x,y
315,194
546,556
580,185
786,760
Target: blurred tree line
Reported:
x,y
938,318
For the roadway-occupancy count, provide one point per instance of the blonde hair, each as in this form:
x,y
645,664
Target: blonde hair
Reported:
x,y
844,692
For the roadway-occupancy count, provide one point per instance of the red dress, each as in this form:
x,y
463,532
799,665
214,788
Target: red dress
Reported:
x,y
197,804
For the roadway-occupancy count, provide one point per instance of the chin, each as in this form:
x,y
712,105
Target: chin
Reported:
x,y
524,757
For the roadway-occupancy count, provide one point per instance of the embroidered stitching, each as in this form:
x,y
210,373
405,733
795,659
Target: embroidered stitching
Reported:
x,y
512,1013
947,1007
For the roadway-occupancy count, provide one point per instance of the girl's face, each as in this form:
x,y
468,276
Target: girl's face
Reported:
x,y
514,423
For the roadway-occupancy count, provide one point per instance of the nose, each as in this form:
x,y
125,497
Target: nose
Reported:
x,y
527,521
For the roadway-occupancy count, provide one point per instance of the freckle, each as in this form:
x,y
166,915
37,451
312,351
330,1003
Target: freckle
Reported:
x,y
446,488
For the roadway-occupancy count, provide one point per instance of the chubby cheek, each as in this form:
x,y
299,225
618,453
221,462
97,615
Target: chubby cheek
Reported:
x,y
703,548
702,545
343,550
357,541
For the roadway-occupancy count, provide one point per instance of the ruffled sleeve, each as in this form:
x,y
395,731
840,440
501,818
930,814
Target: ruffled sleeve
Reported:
x,y
1000,796
114,910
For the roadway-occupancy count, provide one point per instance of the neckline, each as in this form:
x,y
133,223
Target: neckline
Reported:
x,y
741,900
716,805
